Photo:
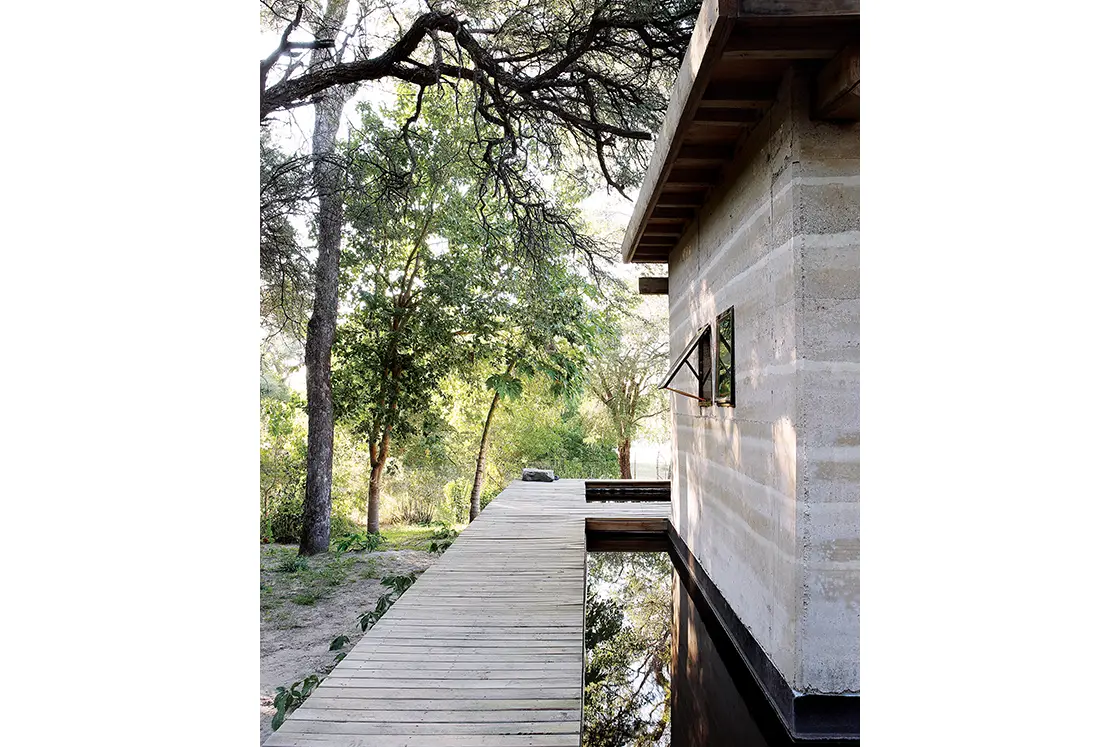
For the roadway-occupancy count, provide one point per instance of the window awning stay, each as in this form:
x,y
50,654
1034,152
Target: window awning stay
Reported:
x,y
703,334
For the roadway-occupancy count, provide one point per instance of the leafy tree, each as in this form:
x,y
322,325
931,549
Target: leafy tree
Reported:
x,y
547,328
542,80
592,71
385,376
624,376
416,263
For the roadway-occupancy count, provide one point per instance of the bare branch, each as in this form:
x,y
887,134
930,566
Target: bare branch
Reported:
x,y
284,46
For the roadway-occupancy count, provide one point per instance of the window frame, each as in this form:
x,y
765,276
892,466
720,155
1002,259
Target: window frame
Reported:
x,y
718,339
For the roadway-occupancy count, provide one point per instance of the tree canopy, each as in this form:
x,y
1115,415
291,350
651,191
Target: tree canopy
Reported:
x,y
543,74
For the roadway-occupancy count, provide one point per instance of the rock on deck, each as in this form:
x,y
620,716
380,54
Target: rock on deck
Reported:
x,y
486,648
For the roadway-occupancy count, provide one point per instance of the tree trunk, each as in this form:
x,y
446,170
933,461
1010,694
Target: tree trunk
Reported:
x,y
480,466
624,459
378,456
327,178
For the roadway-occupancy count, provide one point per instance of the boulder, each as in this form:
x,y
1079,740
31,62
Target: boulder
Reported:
x,y
538,475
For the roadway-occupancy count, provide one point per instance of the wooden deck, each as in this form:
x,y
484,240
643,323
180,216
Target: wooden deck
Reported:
x,y
486,648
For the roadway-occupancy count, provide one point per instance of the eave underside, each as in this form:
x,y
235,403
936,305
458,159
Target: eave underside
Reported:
x,y
724,90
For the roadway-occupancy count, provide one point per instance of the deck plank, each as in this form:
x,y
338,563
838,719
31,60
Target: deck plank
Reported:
x,y
486,648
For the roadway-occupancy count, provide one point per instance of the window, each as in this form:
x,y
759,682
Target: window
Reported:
x,y
725,359
701,344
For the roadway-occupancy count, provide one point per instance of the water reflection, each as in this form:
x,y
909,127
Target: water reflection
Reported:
x,y
653,676
627,634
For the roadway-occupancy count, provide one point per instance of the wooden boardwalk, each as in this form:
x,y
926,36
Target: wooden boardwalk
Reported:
x,y
486,648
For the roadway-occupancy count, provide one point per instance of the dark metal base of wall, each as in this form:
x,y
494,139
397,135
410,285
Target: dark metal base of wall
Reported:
x,y
807,719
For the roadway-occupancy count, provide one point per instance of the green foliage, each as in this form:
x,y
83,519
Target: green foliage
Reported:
x,y
536,430
283,465
442,538
283,462
410,537
339,642
288,699
443,531
284,264
349,481
367,619
292,564
363,541
400,584
411,271
505,385
439,546
308,598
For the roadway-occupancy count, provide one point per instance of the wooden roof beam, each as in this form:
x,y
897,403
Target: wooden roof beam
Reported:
x,y
703,155
769,43
672,214
679,201
796,8
726,117
738,95
837,94
684,179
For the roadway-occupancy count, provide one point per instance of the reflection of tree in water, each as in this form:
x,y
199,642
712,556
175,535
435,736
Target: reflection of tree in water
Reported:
x,y
626,680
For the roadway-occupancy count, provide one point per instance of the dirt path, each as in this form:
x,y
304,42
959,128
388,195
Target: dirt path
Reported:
x,y
304,608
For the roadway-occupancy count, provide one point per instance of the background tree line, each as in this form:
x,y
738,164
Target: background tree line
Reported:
x,y
446,241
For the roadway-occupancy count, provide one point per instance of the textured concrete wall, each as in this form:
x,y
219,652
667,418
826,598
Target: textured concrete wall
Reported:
x,y
767,493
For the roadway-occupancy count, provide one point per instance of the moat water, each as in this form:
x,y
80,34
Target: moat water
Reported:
x,y
654,676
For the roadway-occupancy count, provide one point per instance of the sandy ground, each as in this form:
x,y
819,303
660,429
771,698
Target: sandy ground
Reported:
x,y
303,611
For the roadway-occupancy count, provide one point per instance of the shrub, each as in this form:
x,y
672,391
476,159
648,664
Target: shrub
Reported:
x,y
341,524
455,508
292,564
400,584
308,598
283,468
442,538
290,698
359,541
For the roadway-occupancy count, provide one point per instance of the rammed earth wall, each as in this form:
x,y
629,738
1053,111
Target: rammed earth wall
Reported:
x,y
766,493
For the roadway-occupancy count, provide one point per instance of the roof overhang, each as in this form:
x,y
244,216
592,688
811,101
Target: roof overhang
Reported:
x,y
739,52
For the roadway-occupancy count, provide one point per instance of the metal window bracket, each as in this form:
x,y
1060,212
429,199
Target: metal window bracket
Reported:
x,y
682,361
